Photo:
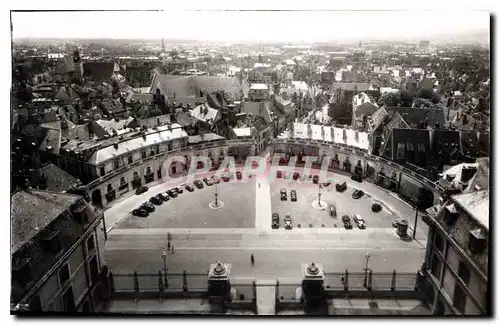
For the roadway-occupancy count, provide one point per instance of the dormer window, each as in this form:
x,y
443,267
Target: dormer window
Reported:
x,y
477,241
50,241
21,270
451,214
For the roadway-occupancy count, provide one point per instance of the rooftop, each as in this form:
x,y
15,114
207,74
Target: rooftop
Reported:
x,y
161,134
32,210
477,204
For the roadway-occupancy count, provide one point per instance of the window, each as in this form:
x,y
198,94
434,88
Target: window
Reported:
x,y
477,241
64,274
116,164
438,242
169,146
94,270
143,154
130,159
123,181
459,298
400,154
110,188
409,146
136,175
90,243
421,147
68,300
148,170
156,149
103,171
464,272
436,265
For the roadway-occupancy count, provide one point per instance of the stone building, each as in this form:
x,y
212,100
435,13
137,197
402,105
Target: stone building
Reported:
x,y
457,255
57,251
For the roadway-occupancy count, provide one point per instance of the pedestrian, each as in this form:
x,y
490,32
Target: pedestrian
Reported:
x,y
172,249
168,245
259,184
343,280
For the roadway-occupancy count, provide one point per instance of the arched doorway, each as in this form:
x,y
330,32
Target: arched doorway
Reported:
x,y
97,198
110,193
136,180
149,176
123,185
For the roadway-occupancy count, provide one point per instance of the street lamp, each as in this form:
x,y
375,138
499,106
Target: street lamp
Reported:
x,y
367,258
216,194
164,257
319,194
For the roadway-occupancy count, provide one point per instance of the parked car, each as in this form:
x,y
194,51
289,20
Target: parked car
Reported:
x,y
357,178
189,187
225,177
283,194
376,207
215,179
156,200
360,222
293,195
179,189
288,222
238,175
332,209
279,174
140,190
347,221
172,193
198,184
140,213
148,206
357,194
315,179
341,187
208,181
275,221
163,197
296,176
326,184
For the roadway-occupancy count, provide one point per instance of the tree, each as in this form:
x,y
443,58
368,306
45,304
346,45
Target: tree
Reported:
x,y
406,98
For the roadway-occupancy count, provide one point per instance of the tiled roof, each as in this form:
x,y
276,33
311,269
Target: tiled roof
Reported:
x,y
416,115
378,118
31,211
446,141
351,86
64,65
204,113
193,139
139,97
57,179
477,204
51,142
481,180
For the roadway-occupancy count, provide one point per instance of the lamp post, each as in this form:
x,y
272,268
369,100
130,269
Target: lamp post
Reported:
x,y
164,257
367,258
319,194
216,195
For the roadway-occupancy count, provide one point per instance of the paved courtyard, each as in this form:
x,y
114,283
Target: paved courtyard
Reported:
x,y
304,214
191,210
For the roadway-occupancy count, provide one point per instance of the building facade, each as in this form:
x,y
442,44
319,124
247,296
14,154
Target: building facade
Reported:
x,y
457,255
57,252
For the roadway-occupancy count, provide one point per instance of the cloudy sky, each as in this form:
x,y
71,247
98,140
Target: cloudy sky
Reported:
x,y
248,25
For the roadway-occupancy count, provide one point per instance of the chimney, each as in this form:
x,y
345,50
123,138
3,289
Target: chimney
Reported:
x,y
158,121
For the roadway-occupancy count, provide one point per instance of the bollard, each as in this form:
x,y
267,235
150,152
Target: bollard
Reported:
x,y
184,283
136,285
393,281
160,282
370,279
346,281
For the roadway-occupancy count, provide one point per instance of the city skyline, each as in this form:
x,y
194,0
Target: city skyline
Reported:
x,y
255,26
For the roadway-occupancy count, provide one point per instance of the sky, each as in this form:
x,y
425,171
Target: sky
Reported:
x,y
314,26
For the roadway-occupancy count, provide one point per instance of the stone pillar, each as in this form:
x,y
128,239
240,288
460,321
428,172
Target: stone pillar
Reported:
x,y
218,280
313,291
